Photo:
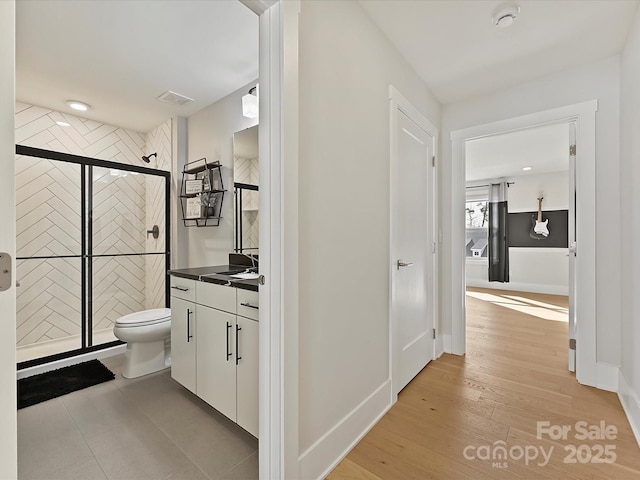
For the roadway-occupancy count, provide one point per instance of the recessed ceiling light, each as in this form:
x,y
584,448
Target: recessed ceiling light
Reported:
x,y
526,169
505,15
63,124
80,106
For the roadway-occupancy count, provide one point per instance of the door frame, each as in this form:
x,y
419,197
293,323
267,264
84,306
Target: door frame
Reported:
x,y
399,103
278,151
584,116
8,412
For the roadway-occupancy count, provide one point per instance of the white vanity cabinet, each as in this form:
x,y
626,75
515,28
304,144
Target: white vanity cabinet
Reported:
x,y
224,370
216,360
183,324
247,371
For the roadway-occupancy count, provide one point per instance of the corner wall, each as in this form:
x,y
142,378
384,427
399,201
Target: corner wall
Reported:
x,y
210,134
346,66
629,381
601,81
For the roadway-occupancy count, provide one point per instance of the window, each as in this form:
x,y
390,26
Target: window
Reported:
x,y
477,228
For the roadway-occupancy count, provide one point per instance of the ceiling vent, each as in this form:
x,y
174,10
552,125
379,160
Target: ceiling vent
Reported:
x,y
174,98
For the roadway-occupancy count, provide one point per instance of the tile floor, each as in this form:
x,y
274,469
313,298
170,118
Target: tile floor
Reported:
x,y
146,428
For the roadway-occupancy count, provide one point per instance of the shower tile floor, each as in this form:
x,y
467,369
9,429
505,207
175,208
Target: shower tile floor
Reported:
x,y
145,428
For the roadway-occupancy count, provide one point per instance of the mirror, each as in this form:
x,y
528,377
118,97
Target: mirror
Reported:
x,y
246,174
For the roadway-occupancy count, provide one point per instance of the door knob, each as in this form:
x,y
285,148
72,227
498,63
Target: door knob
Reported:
x,y
400,263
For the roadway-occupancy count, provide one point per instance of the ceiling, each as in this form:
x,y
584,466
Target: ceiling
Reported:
x,y
545,149
454,47
119,56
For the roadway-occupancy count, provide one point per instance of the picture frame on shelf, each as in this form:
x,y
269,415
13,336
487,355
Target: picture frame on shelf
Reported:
x,y
193,208
193,186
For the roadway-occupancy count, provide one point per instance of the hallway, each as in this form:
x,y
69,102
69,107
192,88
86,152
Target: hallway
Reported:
x,y
452,419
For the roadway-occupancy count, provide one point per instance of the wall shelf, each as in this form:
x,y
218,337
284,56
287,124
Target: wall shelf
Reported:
x,y
202,193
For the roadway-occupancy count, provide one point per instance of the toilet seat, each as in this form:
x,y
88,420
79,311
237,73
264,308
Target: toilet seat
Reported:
x,y
144,318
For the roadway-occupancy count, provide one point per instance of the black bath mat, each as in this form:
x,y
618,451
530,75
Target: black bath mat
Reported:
x,y
48,385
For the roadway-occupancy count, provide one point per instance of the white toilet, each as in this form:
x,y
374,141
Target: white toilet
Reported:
x,y
148,335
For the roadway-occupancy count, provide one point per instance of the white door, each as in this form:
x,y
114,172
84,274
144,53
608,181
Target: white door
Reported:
x,y
8,440
411,252
572,247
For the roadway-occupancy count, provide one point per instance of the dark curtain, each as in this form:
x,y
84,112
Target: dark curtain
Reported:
x,y
498,232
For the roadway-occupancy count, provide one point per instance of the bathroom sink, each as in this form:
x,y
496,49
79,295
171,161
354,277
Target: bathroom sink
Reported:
x,y
245,276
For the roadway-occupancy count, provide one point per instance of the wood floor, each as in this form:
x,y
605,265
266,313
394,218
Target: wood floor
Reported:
x,y
451,420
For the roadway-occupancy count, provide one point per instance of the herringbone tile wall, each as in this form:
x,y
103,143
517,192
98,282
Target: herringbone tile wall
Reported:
x,y
48,223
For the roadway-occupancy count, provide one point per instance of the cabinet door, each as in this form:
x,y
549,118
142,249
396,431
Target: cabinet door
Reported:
x,y
216,360
183,344
247,375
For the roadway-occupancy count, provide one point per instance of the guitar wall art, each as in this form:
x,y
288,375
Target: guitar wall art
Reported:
x,y
539,228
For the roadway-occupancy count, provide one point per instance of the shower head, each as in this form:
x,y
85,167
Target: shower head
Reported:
x,y
147,158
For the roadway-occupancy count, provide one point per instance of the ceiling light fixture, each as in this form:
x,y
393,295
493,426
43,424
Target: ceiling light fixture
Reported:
x,y
526,169
63,124
250,103
80,106
505,15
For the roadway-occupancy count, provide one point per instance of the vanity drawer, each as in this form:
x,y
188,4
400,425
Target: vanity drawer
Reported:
x,y
221,297
183,288
248,304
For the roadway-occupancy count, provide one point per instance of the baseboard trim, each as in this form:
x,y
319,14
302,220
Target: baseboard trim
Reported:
x,y
520,287
446,343
630,404
607,377
65,362
334,445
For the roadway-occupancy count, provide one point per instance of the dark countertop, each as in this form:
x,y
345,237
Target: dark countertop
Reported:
x,y
213,275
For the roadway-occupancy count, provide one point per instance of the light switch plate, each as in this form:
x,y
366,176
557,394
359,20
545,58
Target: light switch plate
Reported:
x,y
5,271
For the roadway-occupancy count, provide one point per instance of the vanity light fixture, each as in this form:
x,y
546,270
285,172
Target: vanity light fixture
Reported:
x,y
526,169
76,105
250,103
505,15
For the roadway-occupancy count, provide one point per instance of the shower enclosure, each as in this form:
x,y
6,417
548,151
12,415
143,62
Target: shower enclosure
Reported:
x,y
88,250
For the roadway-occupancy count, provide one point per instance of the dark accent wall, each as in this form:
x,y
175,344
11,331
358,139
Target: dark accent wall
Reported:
x,y
520,225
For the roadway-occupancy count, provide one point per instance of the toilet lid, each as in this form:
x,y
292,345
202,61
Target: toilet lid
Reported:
x,y
145,317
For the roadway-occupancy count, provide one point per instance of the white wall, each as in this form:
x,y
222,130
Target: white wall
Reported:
x,y
346,66
210,134
541,270
630,238
599,80
8,432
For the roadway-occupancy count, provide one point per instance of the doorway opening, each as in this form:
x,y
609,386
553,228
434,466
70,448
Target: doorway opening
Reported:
x,y
517,260
582,115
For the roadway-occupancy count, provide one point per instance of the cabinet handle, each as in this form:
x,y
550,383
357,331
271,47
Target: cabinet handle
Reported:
x,y
238,357
189,336
250,306
182,289
228,341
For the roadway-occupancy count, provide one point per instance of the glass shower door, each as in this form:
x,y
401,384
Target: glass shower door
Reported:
x,y
127,250
92,246
49,263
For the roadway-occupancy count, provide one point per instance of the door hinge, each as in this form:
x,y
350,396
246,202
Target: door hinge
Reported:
x,y
433,161
572,344
433,247
434,333
572,150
